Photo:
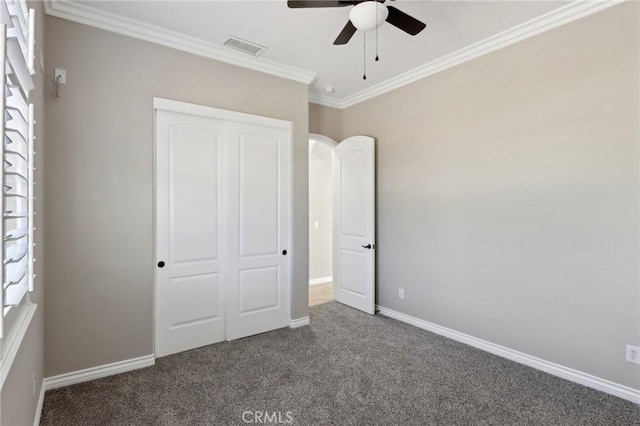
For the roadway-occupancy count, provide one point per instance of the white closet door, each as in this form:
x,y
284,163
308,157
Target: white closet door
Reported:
x,y
190,296
258,223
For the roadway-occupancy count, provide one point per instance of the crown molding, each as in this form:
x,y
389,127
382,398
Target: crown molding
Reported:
x,y
130,27
563,15
107,21
320,99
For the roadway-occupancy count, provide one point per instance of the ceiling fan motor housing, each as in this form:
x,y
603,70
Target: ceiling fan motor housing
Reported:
x,y
368,15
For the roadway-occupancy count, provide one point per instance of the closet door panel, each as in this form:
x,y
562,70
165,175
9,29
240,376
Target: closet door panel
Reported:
x,y
190,274
223,225
257,289
259,184
193,179
258,229
187,309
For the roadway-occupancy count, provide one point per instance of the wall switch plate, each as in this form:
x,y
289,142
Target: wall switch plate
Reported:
x,y
633,354
401,293
60,76
316,224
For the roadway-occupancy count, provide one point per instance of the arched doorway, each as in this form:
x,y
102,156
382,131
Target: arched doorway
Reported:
x,y
320,218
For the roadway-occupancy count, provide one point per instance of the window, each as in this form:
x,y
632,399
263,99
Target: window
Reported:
x,y
17,47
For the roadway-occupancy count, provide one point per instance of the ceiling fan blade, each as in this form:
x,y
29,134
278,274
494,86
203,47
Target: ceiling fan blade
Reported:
x,y
406,23
345,35
298,4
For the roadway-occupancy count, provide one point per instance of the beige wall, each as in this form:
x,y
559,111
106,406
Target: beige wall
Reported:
x,y
508,194
325,121
17,400
320,210
99,183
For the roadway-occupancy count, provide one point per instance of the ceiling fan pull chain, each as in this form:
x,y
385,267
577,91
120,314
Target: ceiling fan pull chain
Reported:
x,y
364,55
377,4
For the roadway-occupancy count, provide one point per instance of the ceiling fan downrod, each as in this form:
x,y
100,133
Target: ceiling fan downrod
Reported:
x,y
364,55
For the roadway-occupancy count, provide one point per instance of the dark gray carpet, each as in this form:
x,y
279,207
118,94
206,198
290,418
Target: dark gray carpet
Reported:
x,y
347,368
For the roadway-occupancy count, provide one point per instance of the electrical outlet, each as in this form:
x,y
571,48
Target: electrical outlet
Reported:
x,y
401,293
633,354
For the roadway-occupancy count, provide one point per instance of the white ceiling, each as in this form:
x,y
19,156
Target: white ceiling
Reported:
x,y
303,38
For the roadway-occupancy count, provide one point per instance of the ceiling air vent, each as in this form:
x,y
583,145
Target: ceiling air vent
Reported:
x,y
245,46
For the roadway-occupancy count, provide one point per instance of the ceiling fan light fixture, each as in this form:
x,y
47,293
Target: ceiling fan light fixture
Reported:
x,y
368,15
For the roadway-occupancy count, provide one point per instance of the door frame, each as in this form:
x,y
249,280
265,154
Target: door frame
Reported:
x,y
164,104
327,141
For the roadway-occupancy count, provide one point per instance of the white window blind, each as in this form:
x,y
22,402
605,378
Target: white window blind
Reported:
x,y
17,49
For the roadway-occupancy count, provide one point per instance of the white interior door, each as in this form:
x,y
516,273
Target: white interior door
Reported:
x,y
259,243
354,223
190,277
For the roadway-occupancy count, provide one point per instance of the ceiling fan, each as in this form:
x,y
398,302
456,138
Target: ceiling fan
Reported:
x,y
365,15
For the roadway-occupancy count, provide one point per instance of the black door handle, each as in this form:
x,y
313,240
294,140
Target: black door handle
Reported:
x,y
284,252
161,264
368,246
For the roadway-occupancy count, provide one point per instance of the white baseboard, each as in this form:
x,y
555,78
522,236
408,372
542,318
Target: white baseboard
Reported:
x,y
321,280
300,322
87,374
98,372
36,419
624,392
